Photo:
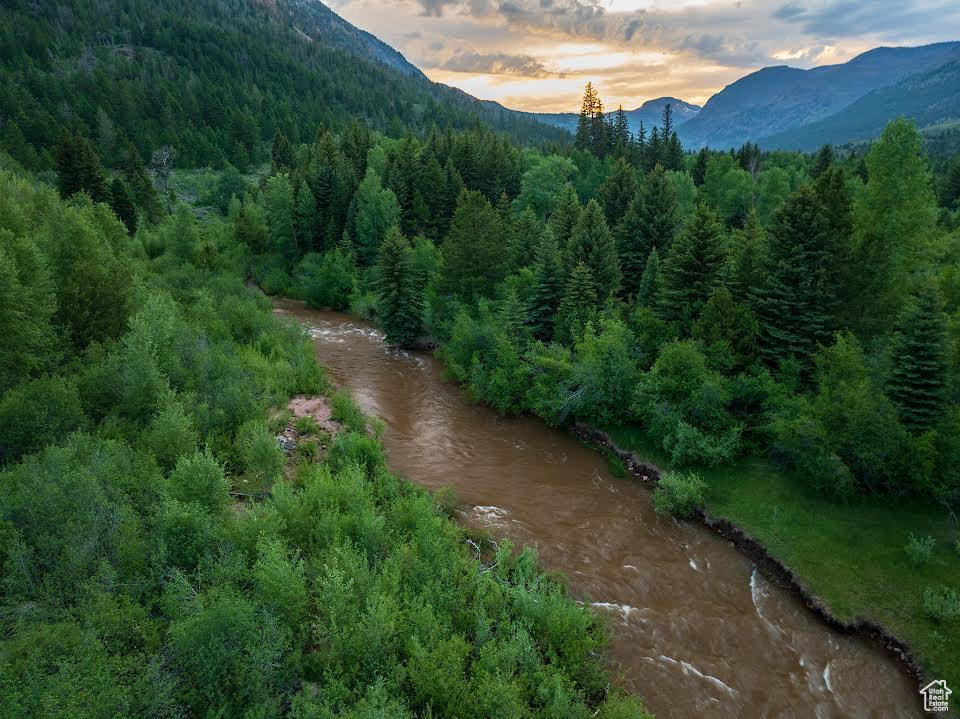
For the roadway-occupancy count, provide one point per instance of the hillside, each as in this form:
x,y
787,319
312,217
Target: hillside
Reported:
x,y
649,113
213,79
928,99
777,99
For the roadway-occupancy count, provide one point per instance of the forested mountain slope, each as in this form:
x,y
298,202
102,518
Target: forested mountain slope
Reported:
x,y
928,99
212,78
776,99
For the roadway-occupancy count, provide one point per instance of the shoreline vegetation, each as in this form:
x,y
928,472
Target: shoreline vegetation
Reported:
x,y
165,555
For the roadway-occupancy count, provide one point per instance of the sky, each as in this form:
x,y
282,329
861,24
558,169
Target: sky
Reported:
x,y
537,55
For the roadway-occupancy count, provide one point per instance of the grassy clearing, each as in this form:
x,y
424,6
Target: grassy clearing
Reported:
x,y
852,555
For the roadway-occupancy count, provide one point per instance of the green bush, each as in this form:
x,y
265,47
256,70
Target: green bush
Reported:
x,y
37,413
345,411
942,604
171,434
679,494
199,478
257,451
919,549
306,425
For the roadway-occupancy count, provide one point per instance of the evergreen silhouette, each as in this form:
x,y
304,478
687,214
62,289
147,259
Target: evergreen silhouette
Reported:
x,y
547,292
650,222
399,290
592,243
578,304
917,384
692,269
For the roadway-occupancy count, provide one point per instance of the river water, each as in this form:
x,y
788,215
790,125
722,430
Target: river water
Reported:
x,y
697,629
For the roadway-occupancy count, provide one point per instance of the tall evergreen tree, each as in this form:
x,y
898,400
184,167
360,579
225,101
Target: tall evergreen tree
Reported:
x,y
797,305
822,162
305,218
592,244
747,268
699,170
399,290
617,190
918,382
281,154
121,200
584,138
278,198
474,252
649,285
524,237
650,222
375,211
621,133
565,216
546,295
692,269
578,304
79,169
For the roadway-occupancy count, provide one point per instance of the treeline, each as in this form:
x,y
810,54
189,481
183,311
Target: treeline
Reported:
x,y
142,388
215,80
775,303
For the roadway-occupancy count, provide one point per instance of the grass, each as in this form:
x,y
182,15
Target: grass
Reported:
x,y
850,554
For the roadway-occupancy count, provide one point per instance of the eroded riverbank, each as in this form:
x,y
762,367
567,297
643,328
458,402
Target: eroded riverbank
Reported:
x,y
698,628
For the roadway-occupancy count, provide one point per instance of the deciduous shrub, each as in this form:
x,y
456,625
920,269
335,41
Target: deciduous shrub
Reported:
x,y
679,493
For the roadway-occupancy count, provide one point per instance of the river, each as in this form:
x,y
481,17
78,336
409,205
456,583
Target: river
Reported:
x,y
697,629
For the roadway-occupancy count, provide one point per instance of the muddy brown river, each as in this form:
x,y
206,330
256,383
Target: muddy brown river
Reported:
x,y
698,631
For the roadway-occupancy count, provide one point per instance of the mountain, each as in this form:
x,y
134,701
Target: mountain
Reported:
x,y
215,79
649,113
775,100
929,99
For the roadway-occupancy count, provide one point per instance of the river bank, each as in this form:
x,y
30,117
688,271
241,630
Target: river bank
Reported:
x,y
698,628
846,562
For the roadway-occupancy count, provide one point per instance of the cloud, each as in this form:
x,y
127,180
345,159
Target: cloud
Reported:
x,y
498,64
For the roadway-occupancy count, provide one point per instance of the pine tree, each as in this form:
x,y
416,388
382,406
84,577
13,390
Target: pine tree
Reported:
x,y
399,290
474,253
526,232
729,331
654,153
667,121
305,218
79,169
699,170
592,244
918,382
278,198
375,211
121,200
545,298
822,161
747,267
621,134
577,306
650,222
144,193
950,190
584,139
617,190
692,269
281,155
565,216
649,285
797,305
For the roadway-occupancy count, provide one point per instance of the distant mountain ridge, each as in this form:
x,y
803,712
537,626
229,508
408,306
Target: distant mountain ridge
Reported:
x,y
776,100
649,113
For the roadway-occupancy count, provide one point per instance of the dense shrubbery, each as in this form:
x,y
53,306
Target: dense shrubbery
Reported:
x,y
679,493
134,585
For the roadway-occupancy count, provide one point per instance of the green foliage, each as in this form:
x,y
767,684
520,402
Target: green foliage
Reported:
x,y
545,300
592,245
376,213
917,384
692,269
920,549
578,304
399,290
797,305
649,223
679,494
36,413
474,251
257,452
279,200
326,280
893,217
941,604
604,373
728,331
